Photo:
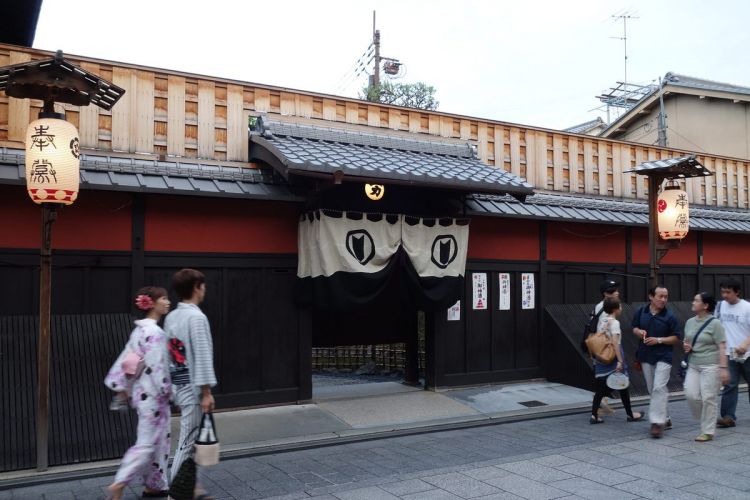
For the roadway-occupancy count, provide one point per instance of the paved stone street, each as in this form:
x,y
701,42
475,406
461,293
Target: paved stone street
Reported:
x,y
559,457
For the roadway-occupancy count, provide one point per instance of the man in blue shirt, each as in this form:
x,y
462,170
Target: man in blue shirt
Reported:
x,y
658,330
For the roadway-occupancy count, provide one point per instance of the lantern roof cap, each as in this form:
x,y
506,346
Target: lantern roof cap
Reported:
x,y
58,80
681,167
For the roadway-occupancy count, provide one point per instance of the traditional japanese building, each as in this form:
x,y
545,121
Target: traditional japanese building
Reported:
x,y
322,220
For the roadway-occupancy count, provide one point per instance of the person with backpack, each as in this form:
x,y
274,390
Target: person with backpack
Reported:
x,y
609,289
704,347
658,330
610,325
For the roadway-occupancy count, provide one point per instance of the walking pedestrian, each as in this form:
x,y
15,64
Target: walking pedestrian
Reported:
x,y
610,325
658,329
704,347
192,362
734,314
141,374
609,289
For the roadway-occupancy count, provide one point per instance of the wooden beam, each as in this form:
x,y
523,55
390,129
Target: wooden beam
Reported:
x,y
175,115
237,138
206,118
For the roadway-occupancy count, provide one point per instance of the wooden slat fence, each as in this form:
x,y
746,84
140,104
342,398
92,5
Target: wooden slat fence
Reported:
x,y
82,428
169,113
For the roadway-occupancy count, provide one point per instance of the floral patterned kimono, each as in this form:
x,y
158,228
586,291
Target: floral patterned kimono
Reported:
x,y
149,393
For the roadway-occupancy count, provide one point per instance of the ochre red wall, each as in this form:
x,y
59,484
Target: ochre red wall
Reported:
x,y
685,254
98,220
101,220
726,249
191,224
571,242
503,239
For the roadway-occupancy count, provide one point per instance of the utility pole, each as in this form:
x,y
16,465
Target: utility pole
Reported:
x,y
376,42
662,134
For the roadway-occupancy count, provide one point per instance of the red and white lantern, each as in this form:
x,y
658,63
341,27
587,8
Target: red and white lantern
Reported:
x,y
673,214
52,161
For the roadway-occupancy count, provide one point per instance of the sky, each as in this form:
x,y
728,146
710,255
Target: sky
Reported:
x,y
531,62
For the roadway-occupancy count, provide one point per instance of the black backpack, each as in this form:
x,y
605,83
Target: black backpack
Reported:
x,y
590,327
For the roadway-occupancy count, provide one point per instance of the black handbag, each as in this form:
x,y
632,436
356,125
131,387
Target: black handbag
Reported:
x,y
682,370
183,484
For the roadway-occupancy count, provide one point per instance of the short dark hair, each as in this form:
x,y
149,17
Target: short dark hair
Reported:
x,y
652,290
154,293
708,299
611,304
731,283
184,282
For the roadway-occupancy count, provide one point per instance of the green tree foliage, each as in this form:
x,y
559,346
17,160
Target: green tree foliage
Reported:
x,y
411,95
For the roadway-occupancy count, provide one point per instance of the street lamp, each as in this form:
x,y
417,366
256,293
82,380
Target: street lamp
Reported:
x,y
52,152
668,219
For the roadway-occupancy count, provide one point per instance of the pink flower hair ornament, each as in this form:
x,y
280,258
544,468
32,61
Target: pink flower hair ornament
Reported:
x,y
144,302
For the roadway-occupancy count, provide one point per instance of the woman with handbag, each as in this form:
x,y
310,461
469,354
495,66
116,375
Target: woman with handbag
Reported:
x,y
610,325
704,347
141,374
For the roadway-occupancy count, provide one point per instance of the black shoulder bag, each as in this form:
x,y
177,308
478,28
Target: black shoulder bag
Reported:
x,y
684,363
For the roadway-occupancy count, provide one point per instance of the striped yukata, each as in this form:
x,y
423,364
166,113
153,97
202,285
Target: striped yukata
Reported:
x,y
192,366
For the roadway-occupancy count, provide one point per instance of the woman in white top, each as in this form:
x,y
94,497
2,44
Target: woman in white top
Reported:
x,y
609,324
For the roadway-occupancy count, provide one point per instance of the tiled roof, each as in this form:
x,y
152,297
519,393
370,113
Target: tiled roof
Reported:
x,y
700,83
168,177
582,128
683,167
314,151
574,208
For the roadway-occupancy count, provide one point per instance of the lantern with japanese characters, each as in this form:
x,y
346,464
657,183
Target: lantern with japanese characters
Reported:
x,y
673,215
52,161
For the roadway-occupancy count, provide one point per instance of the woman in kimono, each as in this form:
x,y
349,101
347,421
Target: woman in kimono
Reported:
x,y
141,375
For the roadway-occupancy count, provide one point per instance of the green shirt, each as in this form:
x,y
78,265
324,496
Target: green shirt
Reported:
x,y
706,349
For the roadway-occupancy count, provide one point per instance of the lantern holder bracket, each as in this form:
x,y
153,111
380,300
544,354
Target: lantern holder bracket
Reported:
x,y
664,246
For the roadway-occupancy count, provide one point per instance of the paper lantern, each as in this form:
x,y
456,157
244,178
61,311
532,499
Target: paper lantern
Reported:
x,y
673,213
52,161
374,191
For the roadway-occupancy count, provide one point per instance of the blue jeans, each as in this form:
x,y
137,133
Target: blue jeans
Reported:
x,y
729,393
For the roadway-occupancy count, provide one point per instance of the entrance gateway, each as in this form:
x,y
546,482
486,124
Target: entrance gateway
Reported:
x,y
383,233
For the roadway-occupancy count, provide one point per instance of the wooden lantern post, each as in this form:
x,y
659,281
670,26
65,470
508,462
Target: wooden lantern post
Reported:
x,y
52,178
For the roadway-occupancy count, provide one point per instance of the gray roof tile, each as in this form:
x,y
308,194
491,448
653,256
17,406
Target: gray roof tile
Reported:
x,y
305,150
576,208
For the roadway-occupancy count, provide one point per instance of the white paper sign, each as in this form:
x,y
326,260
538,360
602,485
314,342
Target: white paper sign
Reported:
x,y
454,312
504,279
527,291
480,290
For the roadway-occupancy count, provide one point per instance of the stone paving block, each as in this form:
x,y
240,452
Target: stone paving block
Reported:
x,y
591,490
554,460
291,496
371,493
434,494
713,490
595,473
658,462
733,466
655,447
526,488
714,476
461,485
535,471
503,495
600,459
668,478
483,473
656,491
400,488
